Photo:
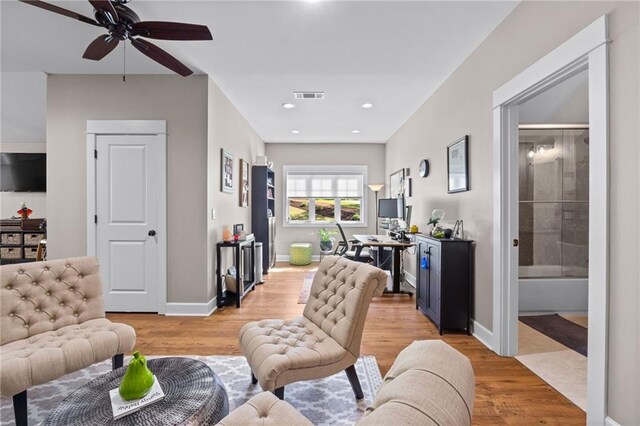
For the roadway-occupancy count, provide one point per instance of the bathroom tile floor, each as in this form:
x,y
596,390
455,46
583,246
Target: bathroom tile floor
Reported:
x,y
562,368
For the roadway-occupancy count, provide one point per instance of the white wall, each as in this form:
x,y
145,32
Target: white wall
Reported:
x,y
462,105
227,129
371,155
182,102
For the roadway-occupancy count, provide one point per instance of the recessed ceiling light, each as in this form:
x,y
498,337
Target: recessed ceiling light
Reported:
x,y
355,132
295,132
367,105
288,105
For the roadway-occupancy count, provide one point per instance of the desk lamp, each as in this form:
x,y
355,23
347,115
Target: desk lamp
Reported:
x,y
376,187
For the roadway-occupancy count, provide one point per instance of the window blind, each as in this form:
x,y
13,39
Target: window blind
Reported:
x,y
320,185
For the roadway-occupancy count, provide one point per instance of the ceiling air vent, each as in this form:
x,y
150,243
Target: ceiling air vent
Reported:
x,y
308,95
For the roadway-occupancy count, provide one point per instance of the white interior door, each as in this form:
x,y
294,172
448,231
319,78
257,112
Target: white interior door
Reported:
x,y
127,207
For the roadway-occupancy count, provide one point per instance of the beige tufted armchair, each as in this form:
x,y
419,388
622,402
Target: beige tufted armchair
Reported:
x,y
52,323
326,339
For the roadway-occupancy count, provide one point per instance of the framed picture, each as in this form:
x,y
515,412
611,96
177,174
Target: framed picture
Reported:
x,y
396,184
458,165
244,183
226,172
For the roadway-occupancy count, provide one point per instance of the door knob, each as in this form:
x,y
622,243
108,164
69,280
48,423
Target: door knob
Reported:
x,y
152,233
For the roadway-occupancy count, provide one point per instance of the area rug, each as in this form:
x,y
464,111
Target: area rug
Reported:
x,y
328,401
561,330
306,288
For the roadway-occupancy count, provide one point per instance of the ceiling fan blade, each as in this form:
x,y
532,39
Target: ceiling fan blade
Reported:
x,y
105,6
160,56
100,47
61,11
171,31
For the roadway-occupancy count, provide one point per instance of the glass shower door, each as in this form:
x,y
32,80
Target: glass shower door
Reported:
x,y
554,203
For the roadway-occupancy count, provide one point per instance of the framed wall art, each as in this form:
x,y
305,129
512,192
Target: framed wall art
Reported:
x,y
396,184
244,183
226,171
458,165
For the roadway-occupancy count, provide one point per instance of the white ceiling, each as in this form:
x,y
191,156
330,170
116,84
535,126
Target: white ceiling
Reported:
x,y
394,54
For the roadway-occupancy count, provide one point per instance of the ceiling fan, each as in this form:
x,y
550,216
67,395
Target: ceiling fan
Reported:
x,y
124,24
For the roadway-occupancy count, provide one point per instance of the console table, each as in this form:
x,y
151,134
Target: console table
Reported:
x,y
228,297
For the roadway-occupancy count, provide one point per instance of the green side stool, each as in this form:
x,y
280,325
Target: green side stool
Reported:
x,y
300,254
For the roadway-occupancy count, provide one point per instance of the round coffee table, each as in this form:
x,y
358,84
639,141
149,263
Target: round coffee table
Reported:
x,y
194,395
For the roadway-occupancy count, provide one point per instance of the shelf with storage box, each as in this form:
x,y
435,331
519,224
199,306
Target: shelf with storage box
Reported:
x,y
19,239
263,213
243,283
444,281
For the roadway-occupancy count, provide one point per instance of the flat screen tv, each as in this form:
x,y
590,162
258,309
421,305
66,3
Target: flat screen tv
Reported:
x,y
23,172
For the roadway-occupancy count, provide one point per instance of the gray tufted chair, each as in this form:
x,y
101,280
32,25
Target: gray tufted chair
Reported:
x,y
326,339
52,323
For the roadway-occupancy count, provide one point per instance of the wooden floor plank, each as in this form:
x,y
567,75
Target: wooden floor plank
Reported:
x,y
507,393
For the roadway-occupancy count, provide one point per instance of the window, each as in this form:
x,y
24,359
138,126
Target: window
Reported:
x,y
325,195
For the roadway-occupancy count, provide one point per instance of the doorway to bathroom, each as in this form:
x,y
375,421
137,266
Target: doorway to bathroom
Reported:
x,y
585,51
553,255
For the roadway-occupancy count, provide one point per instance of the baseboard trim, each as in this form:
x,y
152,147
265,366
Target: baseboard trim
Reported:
x,y
483,335
285,258
192,309
610,422
410,278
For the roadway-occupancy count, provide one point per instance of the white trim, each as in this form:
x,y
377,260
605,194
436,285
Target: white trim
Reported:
x,y
610,422
586,50
483,335
143,127
92,208
320,169
598,234
127,127
572,50
192,309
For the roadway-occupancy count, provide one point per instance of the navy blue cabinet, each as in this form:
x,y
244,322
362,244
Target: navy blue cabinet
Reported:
x,y
444,282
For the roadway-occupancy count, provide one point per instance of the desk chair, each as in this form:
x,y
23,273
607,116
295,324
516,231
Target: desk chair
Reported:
x,y
358,252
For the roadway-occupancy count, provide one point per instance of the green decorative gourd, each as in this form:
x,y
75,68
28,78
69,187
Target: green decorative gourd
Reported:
x,y
138,379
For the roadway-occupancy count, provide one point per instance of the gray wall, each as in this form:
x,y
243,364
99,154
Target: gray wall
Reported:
x,y
371,155
462,105
182,102
22,129
227,129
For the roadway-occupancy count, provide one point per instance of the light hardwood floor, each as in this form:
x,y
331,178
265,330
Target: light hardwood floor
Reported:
x,y
506,391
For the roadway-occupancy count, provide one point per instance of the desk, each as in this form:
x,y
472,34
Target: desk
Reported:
x,y
386,241
241,287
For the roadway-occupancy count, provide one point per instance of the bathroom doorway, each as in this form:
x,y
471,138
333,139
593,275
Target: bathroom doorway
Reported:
x,y
553,255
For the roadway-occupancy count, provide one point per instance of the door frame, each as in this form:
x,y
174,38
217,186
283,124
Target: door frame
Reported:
x,y
586,50
130,127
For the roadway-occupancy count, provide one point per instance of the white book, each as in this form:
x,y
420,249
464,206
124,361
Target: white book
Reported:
x,y
123,408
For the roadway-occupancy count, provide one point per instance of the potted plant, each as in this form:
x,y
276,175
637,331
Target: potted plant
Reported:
x,y
326,239
436,216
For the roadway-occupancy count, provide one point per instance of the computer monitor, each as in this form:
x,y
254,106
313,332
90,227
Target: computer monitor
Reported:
x,y
390,208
